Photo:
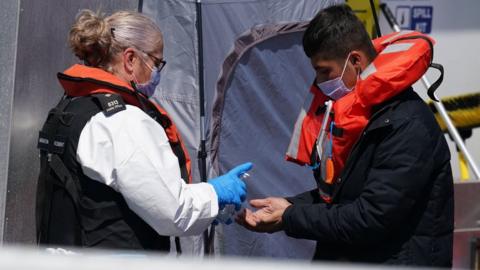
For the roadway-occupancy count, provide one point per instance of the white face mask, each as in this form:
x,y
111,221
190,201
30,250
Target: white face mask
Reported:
x,y
335,88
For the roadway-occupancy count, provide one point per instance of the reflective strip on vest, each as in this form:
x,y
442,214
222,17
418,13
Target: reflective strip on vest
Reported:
x,y
368,71
400,47
295,141
398,34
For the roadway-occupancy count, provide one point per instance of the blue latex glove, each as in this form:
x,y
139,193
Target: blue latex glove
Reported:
x,y
230,188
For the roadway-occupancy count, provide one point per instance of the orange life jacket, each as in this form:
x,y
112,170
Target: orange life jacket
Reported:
x,y
80,80
402,59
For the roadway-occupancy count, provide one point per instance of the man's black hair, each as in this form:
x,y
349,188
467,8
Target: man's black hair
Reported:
x,y
334,32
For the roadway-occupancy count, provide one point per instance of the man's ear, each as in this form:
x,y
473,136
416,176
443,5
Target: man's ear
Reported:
x,y
359,60
355,58
128,59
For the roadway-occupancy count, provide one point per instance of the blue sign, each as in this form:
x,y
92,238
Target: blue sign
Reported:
x,y
418,18
421,18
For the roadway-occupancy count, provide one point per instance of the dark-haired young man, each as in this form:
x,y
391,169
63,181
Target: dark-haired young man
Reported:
x,y
393,203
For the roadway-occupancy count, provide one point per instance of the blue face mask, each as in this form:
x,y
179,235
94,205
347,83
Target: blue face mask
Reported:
x,y
149,87
335,88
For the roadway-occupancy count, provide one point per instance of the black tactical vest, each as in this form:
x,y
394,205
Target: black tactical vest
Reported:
x,y
74,210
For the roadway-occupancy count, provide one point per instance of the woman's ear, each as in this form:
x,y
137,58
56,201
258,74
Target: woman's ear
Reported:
x,y
128,60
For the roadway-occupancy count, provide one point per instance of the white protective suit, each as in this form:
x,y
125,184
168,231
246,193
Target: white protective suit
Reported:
x,y
130,152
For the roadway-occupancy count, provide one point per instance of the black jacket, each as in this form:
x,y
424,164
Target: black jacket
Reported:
x,y
394,201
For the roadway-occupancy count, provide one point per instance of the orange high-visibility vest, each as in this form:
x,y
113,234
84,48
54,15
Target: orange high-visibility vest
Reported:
x,y
80,80
402,59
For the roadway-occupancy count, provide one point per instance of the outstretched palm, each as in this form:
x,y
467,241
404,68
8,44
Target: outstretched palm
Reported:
x,y
268,217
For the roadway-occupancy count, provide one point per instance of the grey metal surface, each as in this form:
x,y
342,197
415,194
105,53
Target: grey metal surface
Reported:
x,y
467,205
462,248
467,221
8,43
42,52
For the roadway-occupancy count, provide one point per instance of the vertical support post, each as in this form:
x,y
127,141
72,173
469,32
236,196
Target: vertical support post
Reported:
x,y
202,154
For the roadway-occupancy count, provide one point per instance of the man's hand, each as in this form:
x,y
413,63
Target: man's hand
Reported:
x,y
268,217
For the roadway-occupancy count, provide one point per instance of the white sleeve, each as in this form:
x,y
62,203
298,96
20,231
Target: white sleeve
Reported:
x,y
130,152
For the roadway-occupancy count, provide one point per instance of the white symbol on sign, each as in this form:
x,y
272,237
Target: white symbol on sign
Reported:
x,y
403,17
423,13
421,27
422,18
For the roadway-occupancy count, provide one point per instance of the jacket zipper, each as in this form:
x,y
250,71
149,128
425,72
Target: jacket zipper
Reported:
x,y
355,145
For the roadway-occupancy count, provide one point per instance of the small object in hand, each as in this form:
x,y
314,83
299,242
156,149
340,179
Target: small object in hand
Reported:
x,y
225,215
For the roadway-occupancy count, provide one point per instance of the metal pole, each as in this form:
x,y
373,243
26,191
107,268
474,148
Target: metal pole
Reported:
x,y
439,105
375,18
453,131
202,154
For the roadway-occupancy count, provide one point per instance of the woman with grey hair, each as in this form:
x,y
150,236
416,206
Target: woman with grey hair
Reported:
x,y
114,171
